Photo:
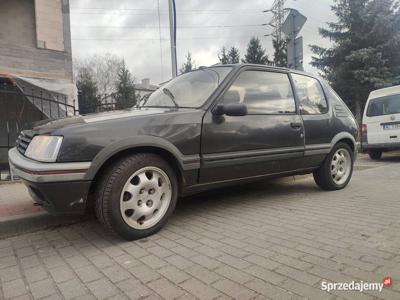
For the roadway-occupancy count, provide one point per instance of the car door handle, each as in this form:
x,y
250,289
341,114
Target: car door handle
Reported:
x,y
296,125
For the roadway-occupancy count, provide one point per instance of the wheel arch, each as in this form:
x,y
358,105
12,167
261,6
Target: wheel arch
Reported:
x,y
109,155
347,138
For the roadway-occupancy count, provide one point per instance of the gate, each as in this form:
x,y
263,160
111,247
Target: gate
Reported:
x,y
20,109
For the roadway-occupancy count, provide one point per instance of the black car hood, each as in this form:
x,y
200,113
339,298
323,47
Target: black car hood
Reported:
x,y
125,114
100,117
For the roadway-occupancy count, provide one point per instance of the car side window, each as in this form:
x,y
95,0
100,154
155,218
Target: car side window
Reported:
x,y
263,93
311,96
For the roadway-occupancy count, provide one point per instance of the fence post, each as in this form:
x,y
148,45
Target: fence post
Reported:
x,y
11,172
81,107
51,102
58,107
74,103
65,107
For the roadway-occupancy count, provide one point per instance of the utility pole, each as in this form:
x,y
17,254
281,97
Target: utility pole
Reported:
x,y
278,11
172,29
288,28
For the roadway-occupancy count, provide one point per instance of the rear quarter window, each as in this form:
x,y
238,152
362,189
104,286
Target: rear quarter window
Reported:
x,y
311,95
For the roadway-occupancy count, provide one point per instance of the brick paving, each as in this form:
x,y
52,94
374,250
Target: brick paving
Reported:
x,y
266,240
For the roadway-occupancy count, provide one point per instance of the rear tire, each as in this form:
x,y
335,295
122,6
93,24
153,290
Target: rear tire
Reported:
x,y
136,196
337,169
375,154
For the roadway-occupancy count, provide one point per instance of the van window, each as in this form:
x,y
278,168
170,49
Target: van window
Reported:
x,y
311,96
263,93
387,105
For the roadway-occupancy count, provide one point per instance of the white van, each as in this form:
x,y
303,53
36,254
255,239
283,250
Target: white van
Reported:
x,y
381,122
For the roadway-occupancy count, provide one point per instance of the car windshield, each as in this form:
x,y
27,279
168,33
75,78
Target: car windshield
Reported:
x,y
190,90
387,105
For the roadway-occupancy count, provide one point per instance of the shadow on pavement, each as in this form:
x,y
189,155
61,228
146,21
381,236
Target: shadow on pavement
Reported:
x,y
263,190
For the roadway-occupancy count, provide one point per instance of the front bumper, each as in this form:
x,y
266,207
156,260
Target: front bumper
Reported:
x,y
61,188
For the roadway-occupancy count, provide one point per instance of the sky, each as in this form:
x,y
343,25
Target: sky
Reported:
x,y
134,29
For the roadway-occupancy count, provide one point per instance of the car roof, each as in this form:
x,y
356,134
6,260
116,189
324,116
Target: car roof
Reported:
x,y
385,92
240,65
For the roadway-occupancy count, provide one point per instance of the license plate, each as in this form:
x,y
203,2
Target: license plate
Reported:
x,y
391,126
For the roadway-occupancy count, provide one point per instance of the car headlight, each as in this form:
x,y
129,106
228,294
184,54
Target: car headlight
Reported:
x,y
44,148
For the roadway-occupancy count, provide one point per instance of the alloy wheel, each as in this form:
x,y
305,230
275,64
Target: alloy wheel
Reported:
x,y
145,198
341,166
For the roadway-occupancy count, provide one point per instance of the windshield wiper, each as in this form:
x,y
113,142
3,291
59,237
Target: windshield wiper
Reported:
x,y
167,92
143,100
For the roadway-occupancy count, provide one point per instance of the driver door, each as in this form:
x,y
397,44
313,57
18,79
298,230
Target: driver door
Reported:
x,y
268,140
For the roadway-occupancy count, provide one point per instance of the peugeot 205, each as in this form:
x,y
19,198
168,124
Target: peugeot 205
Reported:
x,y
211,127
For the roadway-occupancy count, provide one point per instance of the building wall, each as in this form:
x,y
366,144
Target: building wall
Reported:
x,y
49,25
35,38
17,19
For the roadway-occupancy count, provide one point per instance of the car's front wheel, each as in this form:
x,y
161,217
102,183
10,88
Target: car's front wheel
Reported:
x,y
137,195
336,170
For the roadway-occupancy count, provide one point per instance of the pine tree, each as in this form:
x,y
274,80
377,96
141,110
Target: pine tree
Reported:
x,y
88,98
255,53
125,95
280,54
229,57
223,56
234,55
188,65
365,54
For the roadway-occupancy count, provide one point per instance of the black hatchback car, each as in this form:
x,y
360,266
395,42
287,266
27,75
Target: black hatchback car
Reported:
x,y
211,127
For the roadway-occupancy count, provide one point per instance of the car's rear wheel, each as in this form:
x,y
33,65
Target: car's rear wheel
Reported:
x,y
337,169
137,195
375,154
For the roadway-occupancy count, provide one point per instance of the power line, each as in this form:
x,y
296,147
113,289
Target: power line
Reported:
x,y
163,27
166,11
157,39
123,13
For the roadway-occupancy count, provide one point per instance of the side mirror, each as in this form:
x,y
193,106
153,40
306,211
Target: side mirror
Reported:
x,y
231,109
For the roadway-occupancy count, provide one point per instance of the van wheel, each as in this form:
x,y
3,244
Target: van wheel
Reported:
x,y
375,154
336,170
136,196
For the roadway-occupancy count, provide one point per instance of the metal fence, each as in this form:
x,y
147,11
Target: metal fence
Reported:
x,y
20,109
107,102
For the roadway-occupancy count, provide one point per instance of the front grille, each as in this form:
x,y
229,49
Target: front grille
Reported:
x,y
23,141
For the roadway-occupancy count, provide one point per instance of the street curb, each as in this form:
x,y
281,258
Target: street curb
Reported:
x,y
16,225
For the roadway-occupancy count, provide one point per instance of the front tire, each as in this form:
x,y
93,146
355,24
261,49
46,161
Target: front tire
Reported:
x,y
375,154
137,195
337,169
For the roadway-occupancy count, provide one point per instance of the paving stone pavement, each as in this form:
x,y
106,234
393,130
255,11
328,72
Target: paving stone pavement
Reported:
x,y
267,240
